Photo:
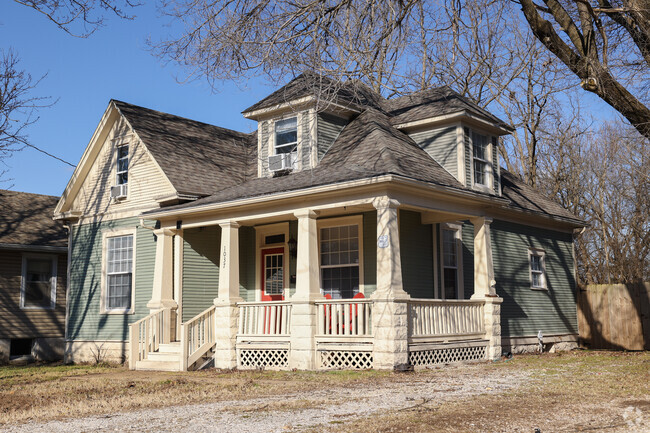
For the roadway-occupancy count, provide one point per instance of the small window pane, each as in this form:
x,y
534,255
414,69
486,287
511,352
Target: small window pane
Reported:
x,y
38,283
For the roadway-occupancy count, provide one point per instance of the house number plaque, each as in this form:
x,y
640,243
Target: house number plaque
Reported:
x,y
224,257
382,241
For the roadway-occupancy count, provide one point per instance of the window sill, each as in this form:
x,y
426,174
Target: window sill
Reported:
x,y
540,289
482,188
38,308
117,312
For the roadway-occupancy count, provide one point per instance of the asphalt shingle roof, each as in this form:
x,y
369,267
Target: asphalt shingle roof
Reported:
x,y
26,219
198,158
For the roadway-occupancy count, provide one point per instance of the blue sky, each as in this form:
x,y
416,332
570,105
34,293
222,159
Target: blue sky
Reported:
x,y
84,74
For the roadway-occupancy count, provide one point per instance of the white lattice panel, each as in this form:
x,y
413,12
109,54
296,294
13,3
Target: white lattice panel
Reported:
x,y
266,358
447,355
344,359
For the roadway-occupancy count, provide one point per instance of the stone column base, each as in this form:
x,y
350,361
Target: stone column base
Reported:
x,y
492,317
302,353
227,323
390,331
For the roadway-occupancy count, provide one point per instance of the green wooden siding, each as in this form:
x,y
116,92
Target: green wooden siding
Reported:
x,y
468,157
329,127
440,143
264,147
200,269
525,311
416,253
84,319
305,141
369,252
495,164
247,263
467,236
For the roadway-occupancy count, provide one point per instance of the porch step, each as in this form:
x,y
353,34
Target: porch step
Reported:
x,y
173,347
155,365
164,356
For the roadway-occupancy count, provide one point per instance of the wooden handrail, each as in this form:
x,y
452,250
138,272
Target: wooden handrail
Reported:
x,y
197,337
146,334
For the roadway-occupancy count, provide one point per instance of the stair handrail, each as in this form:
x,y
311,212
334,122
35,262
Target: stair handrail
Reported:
x,y
197,337
146,334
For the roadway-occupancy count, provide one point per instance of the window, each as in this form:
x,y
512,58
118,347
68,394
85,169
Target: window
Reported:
x,y
339,259
122,165
450,264
286,135
480,145
38,288
119,273
537,269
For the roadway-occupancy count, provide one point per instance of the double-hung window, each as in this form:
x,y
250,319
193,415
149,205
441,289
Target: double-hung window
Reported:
x,y
537,269
450,264
119,273
123,164
38,288
480,146
286,135
339,259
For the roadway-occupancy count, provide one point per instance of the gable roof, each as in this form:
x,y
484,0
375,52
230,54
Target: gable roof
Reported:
x,y
26,219
352,94
369,146
433,103
197,158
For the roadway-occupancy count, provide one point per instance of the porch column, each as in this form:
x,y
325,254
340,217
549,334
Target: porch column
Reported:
x,y
484,285
303,311
390,301
162,292
227,312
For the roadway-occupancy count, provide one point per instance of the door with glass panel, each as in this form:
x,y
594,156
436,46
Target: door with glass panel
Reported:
x,y
273,274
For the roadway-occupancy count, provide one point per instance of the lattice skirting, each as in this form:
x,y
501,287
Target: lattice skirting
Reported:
x,y
263,358
344,359
447,355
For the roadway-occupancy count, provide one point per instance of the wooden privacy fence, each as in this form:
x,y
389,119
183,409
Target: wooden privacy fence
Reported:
x,y
615,316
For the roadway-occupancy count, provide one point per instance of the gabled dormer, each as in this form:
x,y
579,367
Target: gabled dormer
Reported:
x,y
299,122
462,137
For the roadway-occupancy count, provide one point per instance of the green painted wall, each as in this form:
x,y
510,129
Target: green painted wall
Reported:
x,y
416,253
329,127
525,311
200,269
369,252
247,263
467,236
84,319
440,143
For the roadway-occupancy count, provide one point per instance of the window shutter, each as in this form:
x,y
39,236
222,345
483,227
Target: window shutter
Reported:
x,y
495,164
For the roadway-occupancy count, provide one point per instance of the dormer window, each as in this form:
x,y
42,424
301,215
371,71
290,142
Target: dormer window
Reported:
x,y
123,165
286,135
480,146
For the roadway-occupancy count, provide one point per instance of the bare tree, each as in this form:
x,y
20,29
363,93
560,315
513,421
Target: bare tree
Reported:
x,y
604,43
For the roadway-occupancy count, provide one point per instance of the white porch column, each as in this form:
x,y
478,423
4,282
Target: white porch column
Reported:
x,y
303,311
390,301
162,293
227,312
484,285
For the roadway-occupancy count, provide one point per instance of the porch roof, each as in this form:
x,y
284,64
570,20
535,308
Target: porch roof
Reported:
x,y
26,219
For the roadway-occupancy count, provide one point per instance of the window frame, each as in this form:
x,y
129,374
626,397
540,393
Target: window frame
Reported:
x,y
293,143
457,228
489,172
261,232
103,303
117,163
53,280
339,222
537,252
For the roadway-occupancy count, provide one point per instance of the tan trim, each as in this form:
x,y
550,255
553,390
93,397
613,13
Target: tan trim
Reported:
x,y
295,105
103,292
460,154
463,115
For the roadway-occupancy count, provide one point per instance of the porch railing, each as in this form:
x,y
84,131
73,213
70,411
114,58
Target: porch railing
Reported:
x,y
264,318
445,318
345,317
197,337
146,334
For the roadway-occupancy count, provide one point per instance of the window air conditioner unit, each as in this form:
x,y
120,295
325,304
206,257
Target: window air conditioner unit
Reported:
x,y
282,162
118,191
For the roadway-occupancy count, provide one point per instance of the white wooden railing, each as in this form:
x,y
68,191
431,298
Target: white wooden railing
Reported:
x,y
345,317
197,337
146,334
264,318
445,318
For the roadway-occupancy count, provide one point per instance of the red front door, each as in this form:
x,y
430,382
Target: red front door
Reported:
x,y
273,274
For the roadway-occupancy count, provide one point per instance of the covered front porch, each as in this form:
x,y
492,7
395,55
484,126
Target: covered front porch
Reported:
x,y
382,281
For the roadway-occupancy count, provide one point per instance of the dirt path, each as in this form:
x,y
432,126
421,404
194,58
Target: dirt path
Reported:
x,y
301,411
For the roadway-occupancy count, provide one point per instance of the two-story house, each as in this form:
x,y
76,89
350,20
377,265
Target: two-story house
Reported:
x,y
349,231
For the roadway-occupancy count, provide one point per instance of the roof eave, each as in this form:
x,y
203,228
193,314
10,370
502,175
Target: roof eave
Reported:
x,y
295,105
463,115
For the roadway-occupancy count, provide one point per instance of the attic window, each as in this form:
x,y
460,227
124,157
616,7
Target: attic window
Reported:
x,y
481,159
286,135
123,164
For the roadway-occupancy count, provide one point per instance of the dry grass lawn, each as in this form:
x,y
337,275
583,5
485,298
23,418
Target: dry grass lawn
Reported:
x,y
578,391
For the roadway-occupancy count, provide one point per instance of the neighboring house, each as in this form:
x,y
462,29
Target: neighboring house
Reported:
x,y
33,266
349,231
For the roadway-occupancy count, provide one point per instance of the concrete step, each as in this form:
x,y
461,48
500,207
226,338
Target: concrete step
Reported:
x,y
174,347
164,356
157,365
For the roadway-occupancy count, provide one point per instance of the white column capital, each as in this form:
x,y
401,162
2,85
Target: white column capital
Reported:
x,y
164,232
385,202
305,213
481,220
229,225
